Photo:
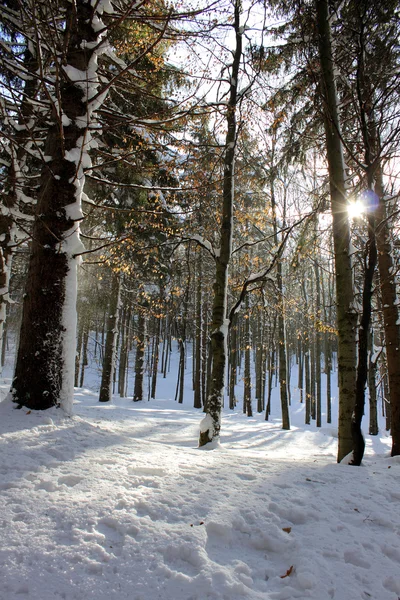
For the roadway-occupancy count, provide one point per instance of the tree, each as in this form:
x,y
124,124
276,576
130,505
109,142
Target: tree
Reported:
x,y
211,424
346,315
44,367
75,95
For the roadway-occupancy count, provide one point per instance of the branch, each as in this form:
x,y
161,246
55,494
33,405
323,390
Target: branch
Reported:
x,y
262,275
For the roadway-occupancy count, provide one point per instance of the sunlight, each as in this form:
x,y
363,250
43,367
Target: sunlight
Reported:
x,y
356,208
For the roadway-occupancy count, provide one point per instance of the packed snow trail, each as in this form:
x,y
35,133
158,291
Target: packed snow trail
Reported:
x,y
118,503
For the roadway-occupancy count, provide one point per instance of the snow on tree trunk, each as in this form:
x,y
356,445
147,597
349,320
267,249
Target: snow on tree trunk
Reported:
x,y
44,372
211,424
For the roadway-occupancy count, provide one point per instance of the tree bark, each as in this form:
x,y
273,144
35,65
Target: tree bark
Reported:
x,y
139,358
211,424
110,350
346,315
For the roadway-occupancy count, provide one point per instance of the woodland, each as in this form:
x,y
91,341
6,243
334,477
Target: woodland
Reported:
x,y
220,176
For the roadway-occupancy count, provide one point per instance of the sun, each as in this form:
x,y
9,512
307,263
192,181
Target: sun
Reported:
x,y
356,208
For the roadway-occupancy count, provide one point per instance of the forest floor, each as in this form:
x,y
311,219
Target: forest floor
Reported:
x,y
118,503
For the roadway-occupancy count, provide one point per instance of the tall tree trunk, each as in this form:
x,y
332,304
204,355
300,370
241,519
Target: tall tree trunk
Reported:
x,y
233,363
300,379
390,312
211,424
139,358
308,387
198,338
373,402
318,396
247,408
84,361
281,315
346,315
155,359
124,351
110,350
11,197
44,371
79,343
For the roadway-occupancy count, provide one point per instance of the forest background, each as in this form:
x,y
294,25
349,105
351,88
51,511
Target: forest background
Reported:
x,y
223,175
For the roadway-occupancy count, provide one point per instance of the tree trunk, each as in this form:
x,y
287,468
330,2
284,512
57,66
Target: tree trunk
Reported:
x,y
346,316
211,424
110,350
281,315
247,408
390,313
233,363
155,360
44,371
373,403
198,338
84,361
318,397
11,196
139,358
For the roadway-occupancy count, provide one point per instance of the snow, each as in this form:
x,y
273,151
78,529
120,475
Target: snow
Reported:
x,y
117,502
204,243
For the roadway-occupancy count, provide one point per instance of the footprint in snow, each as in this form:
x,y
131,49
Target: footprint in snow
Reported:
x,y
69,480
113,534
246,476
150,471
354,557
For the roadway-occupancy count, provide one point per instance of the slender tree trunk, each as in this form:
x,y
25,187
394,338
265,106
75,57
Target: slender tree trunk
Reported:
x,y
139,359
110,350
300,367
211,424
198,339
318,397
123,357
308,387
373,403
233,364
390,312
281,317
346,316
84,361
247,408
78,357
155,360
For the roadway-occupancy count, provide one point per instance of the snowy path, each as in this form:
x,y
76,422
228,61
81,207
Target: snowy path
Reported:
x,y
118,503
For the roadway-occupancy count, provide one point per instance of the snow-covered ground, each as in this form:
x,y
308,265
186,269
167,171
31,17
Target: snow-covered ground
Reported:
x,y
118,503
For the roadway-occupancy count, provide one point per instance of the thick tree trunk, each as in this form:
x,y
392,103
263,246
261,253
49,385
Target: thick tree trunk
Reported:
x,y
44,372
346,315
